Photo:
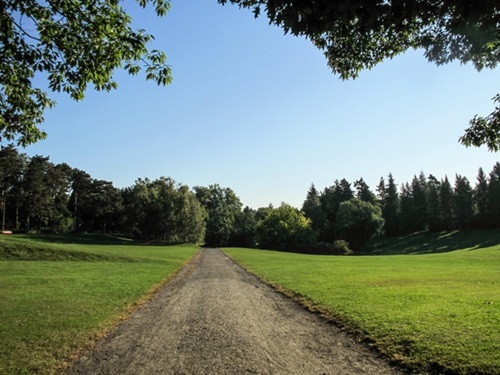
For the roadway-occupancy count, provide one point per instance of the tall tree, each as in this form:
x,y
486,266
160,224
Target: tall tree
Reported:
x,y
463,202
222,206
390,210
331,199
363,192
59,184
481,199
434,215
406,209
37,200
285,228
244,233
358,221
313,210
446,198
11,169
494,195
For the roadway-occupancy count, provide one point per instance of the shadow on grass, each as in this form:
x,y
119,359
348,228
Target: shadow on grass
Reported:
x,y
432,243
82,239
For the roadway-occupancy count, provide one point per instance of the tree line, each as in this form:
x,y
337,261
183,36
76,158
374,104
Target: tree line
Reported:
x,y
40,196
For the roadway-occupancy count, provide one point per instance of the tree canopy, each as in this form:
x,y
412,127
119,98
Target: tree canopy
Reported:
x,y
73,44
77,43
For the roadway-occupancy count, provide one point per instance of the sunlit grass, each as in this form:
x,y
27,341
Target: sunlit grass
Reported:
x,y
50,308
439,311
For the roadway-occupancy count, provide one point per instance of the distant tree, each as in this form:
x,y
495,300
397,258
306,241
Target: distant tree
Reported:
x,y
381,193
434,214
463,202
406,215
494,196
59,183
37,199
446,198
419,196
11,170
285,228
358,221
481,199
331,199
363,192
244,233
222,206
391,208
163,210
313,210
81,183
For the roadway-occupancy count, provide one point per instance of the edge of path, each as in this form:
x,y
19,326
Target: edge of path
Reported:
x,y
171,280
339,322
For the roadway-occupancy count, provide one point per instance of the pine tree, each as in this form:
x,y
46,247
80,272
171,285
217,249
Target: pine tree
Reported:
x,y
363,192
446,204
463,202
434,215
494,196
391,209
481,200
312,209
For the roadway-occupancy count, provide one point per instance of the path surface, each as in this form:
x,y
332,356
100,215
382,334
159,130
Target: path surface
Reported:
x,y
215,318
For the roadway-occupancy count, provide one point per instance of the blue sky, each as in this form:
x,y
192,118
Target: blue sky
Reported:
x,y
260,112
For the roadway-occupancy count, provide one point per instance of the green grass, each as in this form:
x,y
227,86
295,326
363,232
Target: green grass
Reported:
x,y
60,293
437,312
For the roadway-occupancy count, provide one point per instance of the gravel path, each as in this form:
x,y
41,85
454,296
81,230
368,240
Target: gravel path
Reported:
x,y
215,318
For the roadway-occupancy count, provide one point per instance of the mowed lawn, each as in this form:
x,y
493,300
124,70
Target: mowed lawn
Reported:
x,y
440,312
60,293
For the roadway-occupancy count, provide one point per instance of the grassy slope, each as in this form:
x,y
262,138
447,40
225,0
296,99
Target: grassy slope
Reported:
x,y
57,297
439,311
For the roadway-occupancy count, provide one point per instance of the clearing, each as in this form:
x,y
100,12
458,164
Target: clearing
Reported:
x,y
215,318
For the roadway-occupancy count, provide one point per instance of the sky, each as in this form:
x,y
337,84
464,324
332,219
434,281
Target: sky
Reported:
x,y
260,112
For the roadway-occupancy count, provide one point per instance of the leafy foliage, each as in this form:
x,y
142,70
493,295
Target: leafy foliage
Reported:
x,y
285,228
73,44
358,221
484,130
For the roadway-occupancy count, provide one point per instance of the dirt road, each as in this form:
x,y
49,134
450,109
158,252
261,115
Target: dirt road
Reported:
x,y
215,318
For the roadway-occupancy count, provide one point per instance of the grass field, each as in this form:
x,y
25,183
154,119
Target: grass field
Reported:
x,y
434,311
60,293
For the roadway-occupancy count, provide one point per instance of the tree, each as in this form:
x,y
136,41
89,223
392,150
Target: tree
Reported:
x,y
446,197
463,202
285,228
358,221
11,168
357,35
163,210
244,229
222,206
484,130
363,192
73,44
390,210
312,209
37,198
494,196
481,199
434,215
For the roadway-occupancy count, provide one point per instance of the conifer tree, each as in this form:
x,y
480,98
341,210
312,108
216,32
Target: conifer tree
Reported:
x,y
481,199
463,202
